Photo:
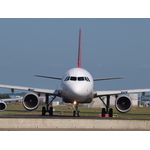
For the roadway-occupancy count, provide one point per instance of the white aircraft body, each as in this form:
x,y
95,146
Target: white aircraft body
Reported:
x,y
77,86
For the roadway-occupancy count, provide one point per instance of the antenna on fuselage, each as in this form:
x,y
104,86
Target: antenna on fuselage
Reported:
x,y
80,49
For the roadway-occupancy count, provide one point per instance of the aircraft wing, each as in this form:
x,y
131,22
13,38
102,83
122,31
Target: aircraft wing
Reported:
x,y
105,93
47,91
11,99
108,79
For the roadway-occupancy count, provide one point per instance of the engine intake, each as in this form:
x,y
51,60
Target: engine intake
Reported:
x,y
123,103
3,106
30,101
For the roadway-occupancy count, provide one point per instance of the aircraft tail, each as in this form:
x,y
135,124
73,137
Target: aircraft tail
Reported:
x,y
80,49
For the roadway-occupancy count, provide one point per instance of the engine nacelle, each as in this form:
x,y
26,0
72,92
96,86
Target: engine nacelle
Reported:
x,y
3,106
123,103
30,101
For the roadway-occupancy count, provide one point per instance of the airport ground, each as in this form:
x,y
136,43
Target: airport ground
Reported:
x,y
17,118
66,110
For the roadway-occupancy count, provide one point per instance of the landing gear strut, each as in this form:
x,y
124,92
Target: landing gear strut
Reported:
x,y
76,112
47,108
106,110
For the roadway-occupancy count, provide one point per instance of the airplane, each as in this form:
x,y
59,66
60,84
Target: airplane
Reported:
x,y
77,86
3,105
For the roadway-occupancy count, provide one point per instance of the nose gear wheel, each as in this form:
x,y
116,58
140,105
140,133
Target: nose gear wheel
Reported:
x,y
76,112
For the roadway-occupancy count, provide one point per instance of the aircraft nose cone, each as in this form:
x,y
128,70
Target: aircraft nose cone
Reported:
x,y
79,92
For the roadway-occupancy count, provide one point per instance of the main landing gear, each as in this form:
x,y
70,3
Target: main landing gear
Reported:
x,y
47,108
107,110
76,112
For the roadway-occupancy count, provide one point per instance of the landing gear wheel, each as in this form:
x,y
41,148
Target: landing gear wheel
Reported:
x,y
76,113
51,111
110,112
43,111
103,112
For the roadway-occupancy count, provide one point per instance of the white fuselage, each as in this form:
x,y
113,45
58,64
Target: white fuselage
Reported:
x,y
77,85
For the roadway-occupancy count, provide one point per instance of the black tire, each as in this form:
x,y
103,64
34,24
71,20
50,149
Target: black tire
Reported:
x,y
51,111
110,112
103,112
43,111
74,113
78,113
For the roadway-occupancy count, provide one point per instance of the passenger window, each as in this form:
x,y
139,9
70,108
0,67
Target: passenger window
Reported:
x,y
73,78
80,78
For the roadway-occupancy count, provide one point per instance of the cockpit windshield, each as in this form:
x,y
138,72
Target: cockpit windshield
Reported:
x,y
80,78
72,78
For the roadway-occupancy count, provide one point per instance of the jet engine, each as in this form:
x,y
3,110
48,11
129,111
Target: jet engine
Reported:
x,y
30,101
123,103
3,106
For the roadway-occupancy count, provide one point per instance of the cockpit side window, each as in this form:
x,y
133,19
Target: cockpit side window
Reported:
x,y
67,78
87,79
73,78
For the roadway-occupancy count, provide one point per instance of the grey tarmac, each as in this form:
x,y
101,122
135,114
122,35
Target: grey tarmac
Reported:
x,y
67,123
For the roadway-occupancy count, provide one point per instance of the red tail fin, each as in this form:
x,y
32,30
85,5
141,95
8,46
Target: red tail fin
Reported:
x,y
80,49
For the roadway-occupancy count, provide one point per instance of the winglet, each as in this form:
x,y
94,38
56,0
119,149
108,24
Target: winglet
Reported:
x,y
80,49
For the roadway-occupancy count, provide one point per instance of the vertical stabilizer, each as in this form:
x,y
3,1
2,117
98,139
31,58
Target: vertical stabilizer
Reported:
x,y
80,49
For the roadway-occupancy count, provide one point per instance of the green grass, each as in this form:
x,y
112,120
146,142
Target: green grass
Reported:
x,y
135,113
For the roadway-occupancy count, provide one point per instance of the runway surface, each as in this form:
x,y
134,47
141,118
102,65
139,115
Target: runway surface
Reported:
x,y
68,123
65,117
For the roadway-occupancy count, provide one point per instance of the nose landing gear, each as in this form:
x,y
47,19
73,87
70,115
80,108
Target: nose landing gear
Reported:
x,y
76,112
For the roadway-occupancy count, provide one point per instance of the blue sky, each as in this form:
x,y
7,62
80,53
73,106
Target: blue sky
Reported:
x,y
111,48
